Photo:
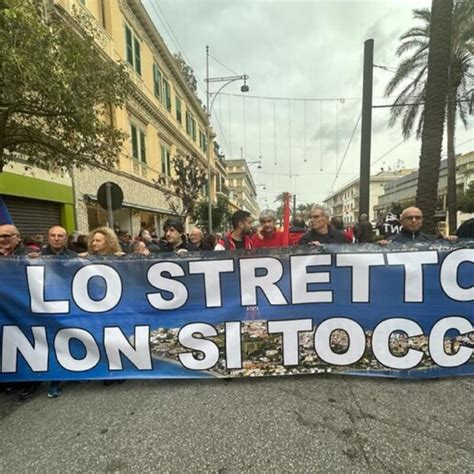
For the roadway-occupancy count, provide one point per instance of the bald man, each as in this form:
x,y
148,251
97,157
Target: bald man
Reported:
x,y
411,219
10,242
57,243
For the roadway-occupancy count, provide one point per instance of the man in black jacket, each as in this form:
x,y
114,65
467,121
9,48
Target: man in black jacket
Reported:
x,y
57,243
10,241
175,238
412,220
321,232
12,246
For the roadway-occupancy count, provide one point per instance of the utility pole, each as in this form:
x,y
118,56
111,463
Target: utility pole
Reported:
x,y
366,129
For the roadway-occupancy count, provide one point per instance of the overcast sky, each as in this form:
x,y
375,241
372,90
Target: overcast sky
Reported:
x,y
305,60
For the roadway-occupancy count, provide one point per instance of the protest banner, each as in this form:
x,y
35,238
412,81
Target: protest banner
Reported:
x,y
365,310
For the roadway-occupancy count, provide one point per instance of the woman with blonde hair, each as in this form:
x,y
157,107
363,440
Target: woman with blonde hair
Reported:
x,y
102,241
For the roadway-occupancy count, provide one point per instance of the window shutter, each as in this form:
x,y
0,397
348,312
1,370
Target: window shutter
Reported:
x,y
134,138
168,161
138,62
128,42
157,81
168,97
142,146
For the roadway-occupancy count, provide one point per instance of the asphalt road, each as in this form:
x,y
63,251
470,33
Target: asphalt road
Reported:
x,y
281,424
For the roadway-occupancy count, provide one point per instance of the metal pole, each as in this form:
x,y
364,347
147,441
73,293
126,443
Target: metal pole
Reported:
x,y
366,132
110,212
209,179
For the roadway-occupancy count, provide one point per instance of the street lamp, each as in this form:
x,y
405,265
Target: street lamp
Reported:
x,y
227,80
256,162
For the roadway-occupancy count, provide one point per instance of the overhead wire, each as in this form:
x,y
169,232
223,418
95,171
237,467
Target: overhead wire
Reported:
x,y
345,152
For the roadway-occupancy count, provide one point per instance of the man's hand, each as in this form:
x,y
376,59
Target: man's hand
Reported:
x,y
315,243
258,232
383,242
452,238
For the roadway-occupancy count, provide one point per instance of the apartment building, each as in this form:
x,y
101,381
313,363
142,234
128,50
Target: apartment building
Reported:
x,y
403,189
162,116
344,202
242,188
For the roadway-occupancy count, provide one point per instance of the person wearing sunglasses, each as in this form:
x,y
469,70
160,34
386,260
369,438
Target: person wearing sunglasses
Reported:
x,y
411,219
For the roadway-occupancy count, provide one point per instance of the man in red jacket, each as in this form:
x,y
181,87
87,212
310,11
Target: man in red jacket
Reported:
x,y
267,235
238,237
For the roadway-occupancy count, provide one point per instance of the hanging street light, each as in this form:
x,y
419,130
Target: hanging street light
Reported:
x,y
209,103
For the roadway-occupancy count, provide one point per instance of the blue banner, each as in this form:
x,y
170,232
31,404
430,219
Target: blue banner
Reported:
x,y
363,310
5,217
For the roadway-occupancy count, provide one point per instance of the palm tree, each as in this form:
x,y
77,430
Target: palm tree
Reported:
x,y
415,69
304,209
280,199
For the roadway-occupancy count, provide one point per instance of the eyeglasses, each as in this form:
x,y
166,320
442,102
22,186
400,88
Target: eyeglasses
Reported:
x,y
7,236
318,216
410,218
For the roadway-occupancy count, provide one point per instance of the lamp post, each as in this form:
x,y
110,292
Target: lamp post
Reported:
x,y
209,103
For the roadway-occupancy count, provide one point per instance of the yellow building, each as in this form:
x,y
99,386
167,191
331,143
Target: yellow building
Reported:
x,y
163,117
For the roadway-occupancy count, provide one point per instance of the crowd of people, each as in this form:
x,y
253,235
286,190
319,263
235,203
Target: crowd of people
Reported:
x,y
104,241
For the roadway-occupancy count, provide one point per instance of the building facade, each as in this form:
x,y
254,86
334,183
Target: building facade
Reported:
x,y
163,118
344,203
36,199
242,188
403,190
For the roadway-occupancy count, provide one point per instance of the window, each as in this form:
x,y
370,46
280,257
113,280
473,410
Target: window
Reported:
x,y
157,81
137,136
166,95
133,50
202,141
205,189
178,109
190,126
165,160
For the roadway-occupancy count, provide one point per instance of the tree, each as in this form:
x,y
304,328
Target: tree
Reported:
x,y
220,214
304,209
466,199
186,71
280,200
184,187
415,69
56,92
434,111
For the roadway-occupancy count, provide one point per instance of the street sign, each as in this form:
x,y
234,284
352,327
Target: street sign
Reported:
x,y
116,196
110,197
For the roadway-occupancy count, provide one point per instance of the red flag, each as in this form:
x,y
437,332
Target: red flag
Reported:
x,y
286,220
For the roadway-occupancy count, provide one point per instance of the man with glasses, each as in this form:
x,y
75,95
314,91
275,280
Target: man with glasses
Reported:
x,y
11,246
412,219
10,242
321,232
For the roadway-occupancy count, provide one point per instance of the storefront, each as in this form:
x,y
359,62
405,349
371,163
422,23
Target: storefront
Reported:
x,y
37,204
